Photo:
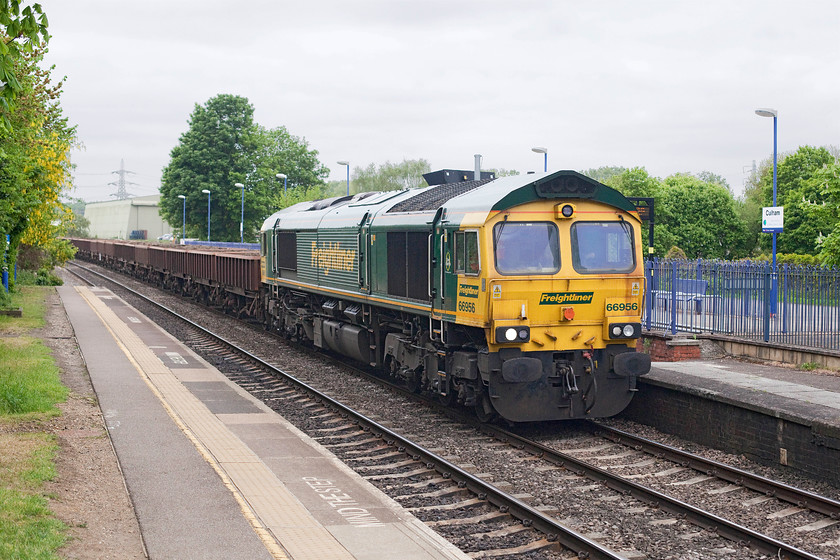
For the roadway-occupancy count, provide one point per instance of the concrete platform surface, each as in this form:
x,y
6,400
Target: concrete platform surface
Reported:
x,y
773,390
212,471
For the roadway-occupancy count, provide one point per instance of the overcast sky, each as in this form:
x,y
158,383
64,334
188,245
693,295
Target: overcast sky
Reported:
x,y
671,86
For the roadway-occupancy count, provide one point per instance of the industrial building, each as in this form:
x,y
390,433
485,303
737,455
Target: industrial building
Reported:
x,y
131,218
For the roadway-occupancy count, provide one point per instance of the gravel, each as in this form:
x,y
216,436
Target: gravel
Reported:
x,y
617,521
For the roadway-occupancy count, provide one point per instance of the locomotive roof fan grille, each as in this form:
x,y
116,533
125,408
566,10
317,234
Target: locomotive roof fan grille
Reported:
x,y
568,185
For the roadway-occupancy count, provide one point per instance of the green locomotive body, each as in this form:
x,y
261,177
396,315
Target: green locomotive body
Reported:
x,y
478,291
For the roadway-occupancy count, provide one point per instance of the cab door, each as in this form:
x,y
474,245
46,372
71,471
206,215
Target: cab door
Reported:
x,y
436,242
364,244
443,279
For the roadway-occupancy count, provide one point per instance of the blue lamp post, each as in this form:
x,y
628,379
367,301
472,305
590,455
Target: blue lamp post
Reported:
x,y
285,180
775,114
205,191
543,151
242,213
347,163
184,219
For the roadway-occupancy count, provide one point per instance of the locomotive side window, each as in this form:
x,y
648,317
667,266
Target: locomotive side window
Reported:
x,y
602,247
466,252
408,264
285,248
526,247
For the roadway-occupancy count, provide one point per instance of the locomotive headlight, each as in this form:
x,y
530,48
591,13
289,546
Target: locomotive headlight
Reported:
x,y
564,211
624,330
513,334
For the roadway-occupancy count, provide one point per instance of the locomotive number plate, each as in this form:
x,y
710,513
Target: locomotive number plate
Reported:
x,y
616,306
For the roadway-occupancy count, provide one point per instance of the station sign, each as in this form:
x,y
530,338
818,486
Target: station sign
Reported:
x,y
772,219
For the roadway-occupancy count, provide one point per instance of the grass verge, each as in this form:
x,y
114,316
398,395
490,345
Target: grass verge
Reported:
x,y
30,388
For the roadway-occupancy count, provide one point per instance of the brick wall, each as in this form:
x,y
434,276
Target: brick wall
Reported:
x,y
757,436
669,349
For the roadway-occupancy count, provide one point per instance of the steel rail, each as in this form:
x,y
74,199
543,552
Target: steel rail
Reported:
x,y
555,531
797,496
706,520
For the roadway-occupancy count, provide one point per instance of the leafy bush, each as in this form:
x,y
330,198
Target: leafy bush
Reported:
x,y
43,277
791,258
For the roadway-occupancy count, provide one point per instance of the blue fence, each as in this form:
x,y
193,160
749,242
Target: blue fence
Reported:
x,y
226,244
797,305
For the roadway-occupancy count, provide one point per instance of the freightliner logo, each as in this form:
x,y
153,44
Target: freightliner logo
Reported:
x,y
466,290
557,298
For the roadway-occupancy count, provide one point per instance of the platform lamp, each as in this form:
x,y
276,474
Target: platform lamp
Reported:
x,y
775,114
242,213
184,219
543,151
347,163
205,191
285,180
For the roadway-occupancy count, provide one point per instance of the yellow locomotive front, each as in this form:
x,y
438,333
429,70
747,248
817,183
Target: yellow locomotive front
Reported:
x,y
557,285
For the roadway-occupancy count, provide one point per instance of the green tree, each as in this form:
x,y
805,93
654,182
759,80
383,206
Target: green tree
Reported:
x,y
801,198
77,224
502,172
750,204
632,182
805,218
224,146
699,218
827,182
213,154
34,162
709,177
21,31
604,173
278,151
390,176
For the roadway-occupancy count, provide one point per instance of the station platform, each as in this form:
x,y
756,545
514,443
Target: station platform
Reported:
x,y
214,473
773,414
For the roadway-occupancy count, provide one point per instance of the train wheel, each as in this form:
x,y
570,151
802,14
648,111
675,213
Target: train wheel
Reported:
x,y
484,408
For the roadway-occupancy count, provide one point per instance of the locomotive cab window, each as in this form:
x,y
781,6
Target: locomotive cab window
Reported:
x,y
466,253
526,248
602,247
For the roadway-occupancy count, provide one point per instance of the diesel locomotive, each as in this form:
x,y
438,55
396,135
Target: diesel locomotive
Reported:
x,y
519,296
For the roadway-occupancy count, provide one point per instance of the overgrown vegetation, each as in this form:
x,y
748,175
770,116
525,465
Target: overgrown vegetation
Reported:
x,y
30,388
29,378
35,138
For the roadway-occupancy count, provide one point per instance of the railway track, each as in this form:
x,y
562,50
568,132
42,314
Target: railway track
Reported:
x,y
275,384
430,481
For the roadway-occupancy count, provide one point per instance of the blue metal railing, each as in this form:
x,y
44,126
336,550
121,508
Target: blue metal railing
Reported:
x,y
737,298
226,244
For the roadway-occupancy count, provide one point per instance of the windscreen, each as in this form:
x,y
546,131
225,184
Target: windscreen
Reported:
x,y
602,247
526,248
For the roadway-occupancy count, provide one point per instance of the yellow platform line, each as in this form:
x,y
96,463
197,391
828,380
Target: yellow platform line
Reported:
x,y
281,522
